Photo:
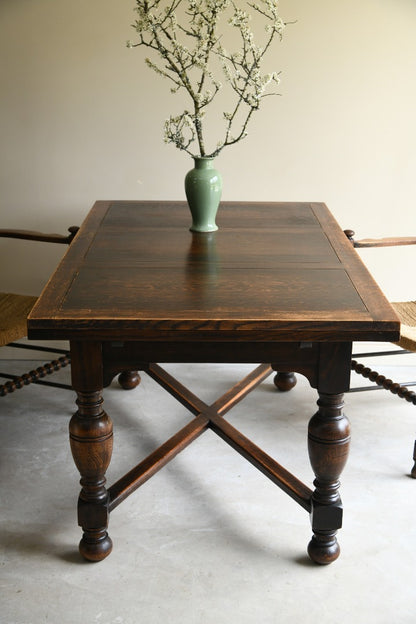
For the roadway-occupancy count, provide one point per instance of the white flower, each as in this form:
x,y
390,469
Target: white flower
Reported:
x,y
189,46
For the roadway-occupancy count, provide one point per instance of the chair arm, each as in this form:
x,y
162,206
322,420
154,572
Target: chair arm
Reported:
x,y
40,236
380,242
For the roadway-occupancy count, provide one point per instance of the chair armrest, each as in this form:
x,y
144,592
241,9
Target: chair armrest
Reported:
x,y
40,236
380,242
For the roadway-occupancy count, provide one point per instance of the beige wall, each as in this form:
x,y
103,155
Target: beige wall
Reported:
x,y
81,119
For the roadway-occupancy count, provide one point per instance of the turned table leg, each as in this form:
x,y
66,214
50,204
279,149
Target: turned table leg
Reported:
x,y
91,439
328,443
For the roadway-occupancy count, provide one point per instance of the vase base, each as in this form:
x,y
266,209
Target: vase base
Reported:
x,y
201,230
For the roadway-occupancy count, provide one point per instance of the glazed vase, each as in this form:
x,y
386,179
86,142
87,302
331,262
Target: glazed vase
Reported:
x,y
203,188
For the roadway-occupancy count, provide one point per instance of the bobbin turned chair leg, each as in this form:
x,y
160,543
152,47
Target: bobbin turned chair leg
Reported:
x,y
395,388
34,375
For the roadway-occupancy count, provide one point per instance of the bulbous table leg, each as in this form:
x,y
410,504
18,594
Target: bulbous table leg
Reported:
x,y
328,444
91,438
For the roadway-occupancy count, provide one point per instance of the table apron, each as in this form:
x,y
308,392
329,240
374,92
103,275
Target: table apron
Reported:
x,y
327,366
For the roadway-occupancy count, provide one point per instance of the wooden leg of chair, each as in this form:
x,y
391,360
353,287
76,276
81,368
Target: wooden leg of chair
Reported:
x,y
413,472
395,388
34,375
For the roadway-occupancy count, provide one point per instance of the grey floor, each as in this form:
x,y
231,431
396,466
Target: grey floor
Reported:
x,y
208,540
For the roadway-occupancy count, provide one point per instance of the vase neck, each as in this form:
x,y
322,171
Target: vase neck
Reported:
x,y
203,162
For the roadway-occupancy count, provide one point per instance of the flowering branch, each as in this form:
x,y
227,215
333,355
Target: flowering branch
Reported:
x,y
187,52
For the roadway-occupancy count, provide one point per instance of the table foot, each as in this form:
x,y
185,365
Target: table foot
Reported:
x,y
285,381
324,549
129,380
328,445
95,545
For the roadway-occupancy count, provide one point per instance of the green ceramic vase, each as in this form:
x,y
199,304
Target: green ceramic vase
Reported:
x,y
203,187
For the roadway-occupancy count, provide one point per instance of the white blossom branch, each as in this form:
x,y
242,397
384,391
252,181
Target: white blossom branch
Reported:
x,y
191,68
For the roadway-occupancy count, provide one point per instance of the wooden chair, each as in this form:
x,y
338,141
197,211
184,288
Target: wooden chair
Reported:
x,y
14,309
406,311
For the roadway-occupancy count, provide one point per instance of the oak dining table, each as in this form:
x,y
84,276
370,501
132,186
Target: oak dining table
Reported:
x,y
278,286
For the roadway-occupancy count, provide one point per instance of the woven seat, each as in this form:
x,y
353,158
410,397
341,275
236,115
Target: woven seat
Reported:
x,y
406,311
14,310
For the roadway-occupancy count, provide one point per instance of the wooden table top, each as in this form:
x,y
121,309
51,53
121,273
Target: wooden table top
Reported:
x,y
273,271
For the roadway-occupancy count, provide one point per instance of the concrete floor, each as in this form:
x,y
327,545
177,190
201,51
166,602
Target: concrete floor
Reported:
x,y
208,540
